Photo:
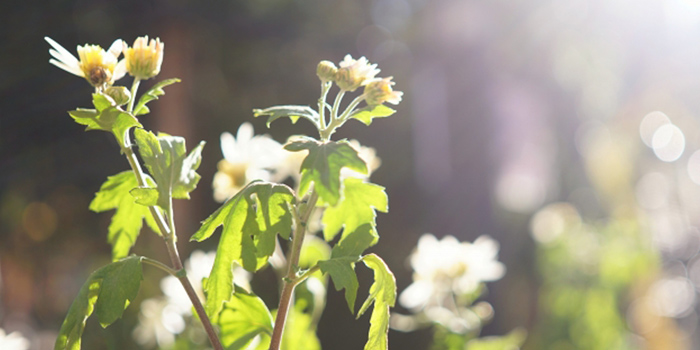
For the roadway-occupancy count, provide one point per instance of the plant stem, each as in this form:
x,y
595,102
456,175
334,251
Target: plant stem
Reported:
x,y
159,265
325,87
167,231
291,281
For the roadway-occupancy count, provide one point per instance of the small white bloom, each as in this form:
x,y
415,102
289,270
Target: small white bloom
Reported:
x,y
446,267
97,66
355,73
247,157
159,321
13,341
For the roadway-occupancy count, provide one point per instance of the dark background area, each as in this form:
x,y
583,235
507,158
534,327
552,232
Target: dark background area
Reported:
x,y
492,89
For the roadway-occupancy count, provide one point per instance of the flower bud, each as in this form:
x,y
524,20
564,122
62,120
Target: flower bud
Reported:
x,y
379,91
326,71
355,73
143,61
119,94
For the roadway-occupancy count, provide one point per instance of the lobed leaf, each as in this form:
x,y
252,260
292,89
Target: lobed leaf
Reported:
x,y
128,218
108,291
152,94
355,243
251,220
356,208
106,117
291,111
342,272
383,294
243,318
174,171
365,115
322,166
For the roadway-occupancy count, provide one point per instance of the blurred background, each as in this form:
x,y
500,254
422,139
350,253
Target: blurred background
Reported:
x,y
566,130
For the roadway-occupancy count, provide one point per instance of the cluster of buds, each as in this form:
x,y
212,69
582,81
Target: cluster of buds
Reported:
x,y
102,68
353,74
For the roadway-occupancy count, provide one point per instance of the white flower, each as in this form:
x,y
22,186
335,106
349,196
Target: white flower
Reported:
x,y
246,158
159,321
448,267
355,73
13,341
97,66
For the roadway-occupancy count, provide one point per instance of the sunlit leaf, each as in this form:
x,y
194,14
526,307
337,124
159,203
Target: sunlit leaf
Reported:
x,y
152,94
173,170
357,207
250,220
242,319
383,295
293,112
342,272
365,115
128,218
322,166
108,291
510,341
356,242
106,117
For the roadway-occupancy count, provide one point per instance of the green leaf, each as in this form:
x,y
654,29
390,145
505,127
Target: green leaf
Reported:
x,y
357,207
174,171
147,196
293,112
313,250
128,218
322,166
242,318
510,341
383,295
152,94
108,291
356,242
365,115
251,219
299,332
342,271
106,117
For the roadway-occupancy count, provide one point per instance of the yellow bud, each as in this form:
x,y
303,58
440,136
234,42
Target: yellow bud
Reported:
x,y
119,94
326,71
355,73
143,61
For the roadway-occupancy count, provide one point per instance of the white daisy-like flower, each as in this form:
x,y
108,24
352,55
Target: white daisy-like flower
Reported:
x,y
97,66
449,267
247,157
355,73
159,321
13,341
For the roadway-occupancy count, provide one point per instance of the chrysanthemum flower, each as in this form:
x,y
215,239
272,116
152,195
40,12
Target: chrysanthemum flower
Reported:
x,y
97,66
13,341
246,158
144,59
447,267
355,73
379,91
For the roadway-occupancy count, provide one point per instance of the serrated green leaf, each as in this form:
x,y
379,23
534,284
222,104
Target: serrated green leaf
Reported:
x,y
250,220
299,332
152,94
356,242
365,115
383,295
291,111
146,196
128,218
511,341
357,207
174,171
106,117
313,250
242,319
108,291
322,166
342,272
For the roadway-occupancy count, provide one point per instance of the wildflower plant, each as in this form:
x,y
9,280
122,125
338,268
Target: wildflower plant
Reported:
x,y
259,218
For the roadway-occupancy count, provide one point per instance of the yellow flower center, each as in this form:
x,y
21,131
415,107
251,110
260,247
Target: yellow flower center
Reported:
x,y
94,65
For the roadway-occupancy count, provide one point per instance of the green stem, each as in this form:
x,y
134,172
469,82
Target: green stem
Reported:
x,y
291,280
159,265
168,233
325,87
134,89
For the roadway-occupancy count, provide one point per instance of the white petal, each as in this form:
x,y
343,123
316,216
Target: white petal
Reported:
x,y
66,56
116,48
416,295
228,147
65,67
245,133
119,70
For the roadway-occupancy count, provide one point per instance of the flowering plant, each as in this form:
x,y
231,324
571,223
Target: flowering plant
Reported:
x,y
332,191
